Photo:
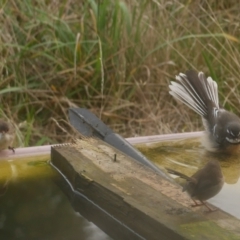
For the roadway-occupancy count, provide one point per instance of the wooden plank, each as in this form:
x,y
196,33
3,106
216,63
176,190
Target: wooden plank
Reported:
x,y
130,201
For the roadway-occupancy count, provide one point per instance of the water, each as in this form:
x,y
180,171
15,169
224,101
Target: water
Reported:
x,y
33,207
187,156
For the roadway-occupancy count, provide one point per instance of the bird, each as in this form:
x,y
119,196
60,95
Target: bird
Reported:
x,y
203,184
222,128
6,136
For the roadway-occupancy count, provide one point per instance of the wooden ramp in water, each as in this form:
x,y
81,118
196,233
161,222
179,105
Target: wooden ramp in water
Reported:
x,y
130,201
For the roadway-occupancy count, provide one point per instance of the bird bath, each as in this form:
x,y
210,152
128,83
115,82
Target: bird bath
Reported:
x,y
33,206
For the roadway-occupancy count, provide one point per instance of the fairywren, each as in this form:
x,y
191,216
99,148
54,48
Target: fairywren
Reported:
x,y
204,184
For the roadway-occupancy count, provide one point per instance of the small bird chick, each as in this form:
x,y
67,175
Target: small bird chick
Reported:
x,y
204,184
6,136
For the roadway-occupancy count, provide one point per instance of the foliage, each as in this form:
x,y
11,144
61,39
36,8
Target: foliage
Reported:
x,y
115,58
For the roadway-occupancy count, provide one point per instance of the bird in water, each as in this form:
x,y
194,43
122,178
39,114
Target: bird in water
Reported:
x,y
204,184
222,128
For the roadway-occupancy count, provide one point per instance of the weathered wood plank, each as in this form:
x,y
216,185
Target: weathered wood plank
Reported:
x,y
136,202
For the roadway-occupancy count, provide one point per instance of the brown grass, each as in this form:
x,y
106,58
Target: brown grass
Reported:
x,y
45,68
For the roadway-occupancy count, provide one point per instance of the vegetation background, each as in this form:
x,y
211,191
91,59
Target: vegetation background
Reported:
x,y
114,57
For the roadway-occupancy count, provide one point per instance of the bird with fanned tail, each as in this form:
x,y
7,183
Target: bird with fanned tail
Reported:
x,y
200,93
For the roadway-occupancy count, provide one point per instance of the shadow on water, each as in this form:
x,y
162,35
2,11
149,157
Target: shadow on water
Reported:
x,y
187,156
33,207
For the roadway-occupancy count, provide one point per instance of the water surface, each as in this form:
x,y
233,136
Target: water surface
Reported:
x,y
33,207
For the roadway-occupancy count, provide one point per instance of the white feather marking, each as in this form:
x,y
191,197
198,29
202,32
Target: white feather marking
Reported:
x,y
188,88
235,140
191,91
185,93
213,91
188,102
180,93
215,112
210,87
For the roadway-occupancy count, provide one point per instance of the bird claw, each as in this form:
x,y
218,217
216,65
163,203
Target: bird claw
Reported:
x,y
197,204
210,209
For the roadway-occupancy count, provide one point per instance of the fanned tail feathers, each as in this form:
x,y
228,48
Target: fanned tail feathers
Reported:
x,y
195,90
181,175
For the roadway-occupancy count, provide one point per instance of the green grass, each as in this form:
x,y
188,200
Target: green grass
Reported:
x,y
115,58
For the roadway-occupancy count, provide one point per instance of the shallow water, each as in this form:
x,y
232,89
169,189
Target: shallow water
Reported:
x,y
33,207
187,156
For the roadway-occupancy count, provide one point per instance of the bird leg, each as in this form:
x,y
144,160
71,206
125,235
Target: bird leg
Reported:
x,y
209,209
196,204
11,148
205,204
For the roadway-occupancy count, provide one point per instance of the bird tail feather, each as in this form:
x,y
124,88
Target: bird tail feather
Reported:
x,y
181,175
196,91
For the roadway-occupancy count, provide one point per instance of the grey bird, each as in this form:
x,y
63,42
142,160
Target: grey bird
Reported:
x,y
222,128
204,184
